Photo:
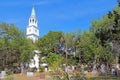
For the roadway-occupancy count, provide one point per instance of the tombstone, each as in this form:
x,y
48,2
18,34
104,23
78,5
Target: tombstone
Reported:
x,y
73,68
116,71
94,67
22,68
94,70
46,69
30,74
3,73
85,72
66,69
117,66
103,71
82,69
113,71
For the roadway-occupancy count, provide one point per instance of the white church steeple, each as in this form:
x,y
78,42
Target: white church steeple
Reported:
x,y
33,12
32,29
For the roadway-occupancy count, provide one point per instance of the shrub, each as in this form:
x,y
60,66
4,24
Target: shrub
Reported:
x,y
9,77
41,68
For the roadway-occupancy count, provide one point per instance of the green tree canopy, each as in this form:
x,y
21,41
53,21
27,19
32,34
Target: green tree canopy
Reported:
x,y
14,47
47,42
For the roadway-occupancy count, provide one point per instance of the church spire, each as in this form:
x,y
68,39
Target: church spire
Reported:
x,y
33,12
32,29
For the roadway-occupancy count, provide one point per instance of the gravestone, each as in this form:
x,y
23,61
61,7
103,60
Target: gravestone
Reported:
x,y
94,71
30,74
46,69
73,68
3,73
117,66
82,69
113,71
22,68
103,70
66,69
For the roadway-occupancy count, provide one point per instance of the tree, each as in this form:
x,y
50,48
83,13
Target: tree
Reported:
x,y
107,30
46,43
54,60
27,50
9,34
69,46
15,48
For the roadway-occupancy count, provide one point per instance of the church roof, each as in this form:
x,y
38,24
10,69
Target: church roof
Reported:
x,y
33,12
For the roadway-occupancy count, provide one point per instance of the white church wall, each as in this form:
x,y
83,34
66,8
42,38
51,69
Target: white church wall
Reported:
x,y
34,62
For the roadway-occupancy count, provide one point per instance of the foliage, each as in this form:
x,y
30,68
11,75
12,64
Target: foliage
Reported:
x,y
41,68
46,43
54,60
15,48
26,49
9,77
99,44
107,30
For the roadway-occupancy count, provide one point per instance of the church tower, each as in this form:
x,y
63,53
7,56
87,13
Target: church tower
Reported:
x,y
32,31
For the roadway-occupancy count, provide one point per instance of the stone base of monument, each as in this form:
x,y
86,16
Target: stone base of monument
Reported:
x,y
30,74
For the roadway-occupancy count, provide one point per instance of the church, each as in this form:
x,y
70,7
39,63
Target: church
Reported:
x,y
32,32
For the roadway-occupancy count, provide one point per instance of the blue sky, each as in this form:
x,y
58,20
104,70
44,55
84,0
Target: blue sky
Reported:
x,y
55,15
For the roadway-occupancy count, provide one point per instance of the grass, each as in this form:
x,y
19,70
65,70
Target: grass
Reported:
x,y
20,77
104,78
50,77
24,77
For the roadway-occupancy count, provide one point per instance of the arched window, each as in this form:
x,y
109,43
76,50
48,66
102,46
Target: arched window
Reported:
x,y
35,31
33,20
30,20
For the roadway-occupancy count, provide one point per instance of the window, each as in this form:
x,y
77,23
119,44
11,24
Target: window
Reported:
x,y
35,30
30,20
29,30
33,20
